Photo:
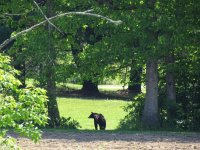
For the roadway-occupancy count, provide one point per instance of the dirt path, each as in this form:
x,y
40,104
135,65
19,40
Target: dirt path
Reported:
x,y
110,141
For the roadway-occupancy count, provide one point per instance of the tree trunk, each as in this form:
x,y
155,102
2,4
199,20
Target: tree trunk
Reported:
x,y
135,80
5,33
22,76
90,88
21,66
170,79
53,112
150,112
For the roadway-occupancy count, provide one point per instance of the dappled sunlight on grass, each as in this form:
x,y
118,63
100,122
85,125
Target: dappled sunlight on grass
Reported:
x,y
111,87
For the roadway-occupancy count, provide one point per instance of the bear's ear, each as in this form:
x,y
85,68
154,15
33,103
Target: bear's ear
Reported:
x,y
91,112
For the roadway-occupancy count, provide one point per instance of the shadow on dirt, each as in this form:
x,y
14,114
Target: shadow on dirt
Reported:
x,y
88,135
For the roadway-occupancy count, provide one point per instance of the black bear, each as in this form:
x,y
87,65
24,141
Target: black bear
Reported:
x,y
98,120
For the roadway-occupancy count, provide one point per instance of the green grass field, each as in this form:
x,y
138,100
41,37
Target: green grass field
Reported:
x,y
79,109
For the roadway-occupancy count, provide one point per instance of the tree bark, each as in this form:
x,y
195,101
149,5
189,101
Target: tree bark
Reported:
x,y
135,80
170,88
170,79
150,112
53,112
22,76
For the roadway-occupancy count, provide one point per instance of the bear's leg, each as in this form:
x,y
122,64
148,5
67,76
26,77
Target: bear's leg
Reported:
x,y
95,124
102,127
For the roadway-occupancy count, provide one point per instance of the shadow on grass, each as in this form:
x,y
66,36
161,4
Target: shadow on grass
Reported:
x,y
118,95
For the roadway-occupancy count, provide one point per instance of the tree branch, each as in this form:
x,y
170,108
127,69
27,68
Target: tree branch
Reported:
x,y
7,14
85,13
60,31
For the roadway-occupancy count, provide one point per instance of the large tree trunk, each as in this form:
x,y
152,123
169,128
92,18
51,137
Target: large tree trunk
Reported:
x,y
170,88
53,112
135,80
90,88
150,112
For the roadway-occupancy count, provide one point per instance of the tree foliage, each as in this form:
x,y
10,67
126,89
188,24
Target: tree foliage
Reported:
x,y
91,49
21,110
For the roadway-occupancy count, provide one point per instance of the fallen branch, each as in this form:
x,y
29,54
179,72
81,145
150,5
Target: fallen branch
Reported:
x,y
85,13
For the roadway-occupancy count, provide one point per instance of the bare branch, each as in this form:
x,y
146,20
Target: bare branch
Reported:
x,y
60,31
85,13
7,14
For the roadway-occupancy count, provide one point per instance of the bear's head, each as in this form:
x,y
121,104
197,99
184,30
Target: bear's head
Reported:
x,y
92,115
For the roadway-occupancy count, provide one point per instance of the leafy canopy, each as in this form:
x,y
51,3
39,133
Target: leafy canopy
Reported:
x,y
20,109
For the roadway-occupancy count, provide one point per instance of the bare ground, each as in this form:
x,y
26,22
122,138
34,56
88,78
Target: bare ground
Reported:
x,y
75,140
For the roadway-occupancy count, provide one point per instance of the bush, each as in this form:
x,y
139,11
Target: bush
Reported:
x,y
133,119
21,109
167,111
69,123
182,114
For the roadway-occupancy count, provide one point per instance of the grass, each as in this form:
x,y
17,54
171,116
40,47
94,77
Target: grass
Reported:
x,y
111,87
79,109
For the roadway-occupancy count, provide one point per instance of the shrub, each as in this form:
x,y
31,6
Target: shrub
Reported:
x,y
134,113
21,109
69,123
